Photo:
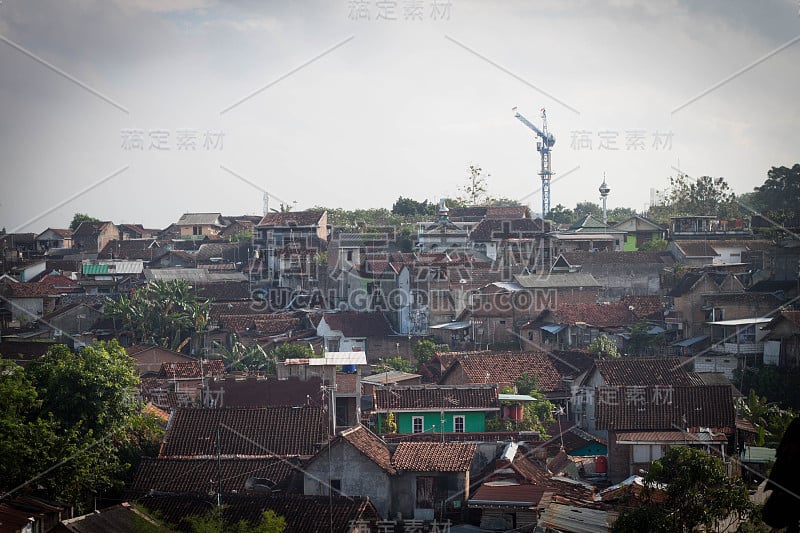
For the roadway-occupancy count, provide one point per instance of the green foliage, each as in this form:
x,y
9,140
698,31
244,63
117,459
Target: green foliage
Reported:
x,y
604,347
81,217
423,351
702,196
244,235
780,191
654,245
588,208
641,342
251,357
699,495
394,363
406,207
770,420
166,313
213,522
618,214
474,192
292,351
525,383
561,215
69,427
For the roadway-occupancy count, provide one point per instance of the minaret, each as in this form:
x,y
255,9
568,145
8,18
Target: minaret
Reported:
x,y
604,190
443,211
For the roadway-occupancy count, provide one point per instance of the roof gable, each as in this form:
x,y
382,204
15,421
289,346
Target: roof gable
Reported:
x,y
292,218
504,368
370,445
355,325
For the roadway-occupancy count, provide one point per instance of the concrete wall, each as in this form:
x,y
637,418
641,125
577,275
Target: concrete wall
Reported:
x,y
627,279
359,476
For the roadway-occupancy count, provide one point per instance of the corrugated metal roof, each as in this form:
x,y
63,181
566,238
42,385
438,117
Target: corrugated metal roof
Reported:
x,y
740,322
452,325
690,341
568,518
575,279
94,269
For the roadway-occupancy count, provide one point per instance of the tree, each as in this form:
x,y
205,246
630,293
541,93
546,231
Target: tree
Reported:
x,y
604,346
81,217
702,196
653,245
251,357
561,215
618,214
407,207
214,521
588,208
423,351
394,363
641,341
166,313
475,189
770,420
699,496
292,351
69,425
780,190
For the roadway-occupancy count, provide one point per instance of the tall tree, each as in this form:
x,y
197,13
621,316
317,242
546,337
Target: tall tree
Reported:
x,y
696,197
780,190
604,346
166,313
476,187
699,495
588,208
81,217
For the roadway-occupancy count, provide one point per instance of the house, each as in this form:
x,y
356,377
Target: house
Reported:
x,y
442,235
149,359
16,247
271,391
149,251
29,302
53,238
28,514
136,231
189,377
504,369
107,276
626,372
512,243
74,319
694,253
639,231
269,432
687,313
782,341
575,325
515,490
91,237
122,518
356,463
735,344
352,331
293,237
433,478
708,227
587,234
435,408
619,273
200,225
643,422
344,387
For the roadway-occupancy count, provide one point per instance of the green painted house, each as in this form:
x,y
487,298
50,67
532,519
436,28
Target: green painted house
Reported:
x,y
435,408
639,231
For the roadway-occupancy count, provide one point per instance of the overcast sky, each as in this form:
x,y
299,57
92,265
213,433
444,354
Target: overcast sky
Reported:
x,y
153,108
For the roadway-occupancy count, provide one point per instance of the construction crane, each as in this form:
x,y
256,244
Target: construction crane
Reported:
x,y
543,146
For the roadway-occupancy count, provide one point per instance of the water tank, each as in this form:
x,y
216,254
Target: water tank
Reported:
x,y
349,369
601,464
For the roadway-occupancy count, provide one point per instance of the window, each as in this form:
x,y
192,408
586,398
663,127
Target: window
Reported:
x,y
458,424
197,230
336,486
646,453
417,424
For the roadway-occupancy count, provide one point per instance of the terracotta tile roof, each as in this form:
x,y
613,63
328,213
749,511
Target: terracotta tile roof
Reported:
x,y
299,218
354,324
425,397
132,249
672,436
571,363
632,371
575,438
268,325
617,258
370,445
192,369
303,514
29,290
61,284
285,431
61,232
192,476
645,306
598,315
270,392
508,212
504,368
664,407
434,456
